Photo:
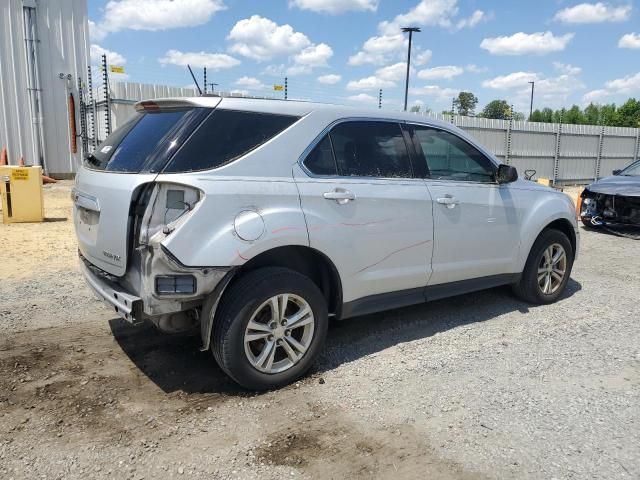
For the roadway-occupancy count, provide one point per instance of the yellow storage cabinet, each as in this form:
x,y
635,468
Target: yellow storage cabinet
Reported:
x,y
21,189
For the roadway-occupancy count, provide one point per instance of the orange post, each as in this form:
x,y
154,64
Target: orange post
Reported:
x,y
21,163
3,157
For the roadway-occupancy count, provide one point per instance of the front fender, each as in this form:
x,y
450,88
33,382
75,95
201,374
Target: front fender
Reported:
x,y
540,211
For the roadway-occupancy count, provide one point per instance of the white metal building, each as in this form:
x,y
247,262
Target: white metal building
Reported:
x,y
44,47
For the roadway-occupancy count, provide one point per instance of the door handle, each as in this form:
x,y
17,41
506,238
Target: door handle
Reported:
x,y
449,200
340,195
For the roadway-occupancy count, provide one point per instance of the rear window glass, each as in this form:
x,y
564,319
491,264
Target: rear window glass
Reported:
x,y
130,147
224,136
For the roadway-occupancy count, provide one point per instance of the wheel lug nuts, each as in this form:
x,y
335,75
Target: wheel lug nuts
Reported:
x,y
270,337
287,333
273,325
284,323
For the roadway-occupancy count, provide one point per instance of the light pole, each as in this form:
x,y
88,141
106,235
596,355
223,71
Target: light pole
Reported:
x,y
531,105
406,86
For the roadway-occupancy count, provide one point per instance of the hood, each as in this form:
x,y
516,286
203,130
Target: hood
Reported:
x,y
628,186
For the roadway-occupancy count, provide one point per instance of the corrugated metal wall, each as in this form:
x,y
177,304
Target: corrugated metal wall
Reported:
x,y
62,48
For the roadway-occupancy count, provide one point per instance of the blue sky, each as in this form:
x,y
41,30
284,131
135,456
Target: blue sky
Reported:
x,y
346,50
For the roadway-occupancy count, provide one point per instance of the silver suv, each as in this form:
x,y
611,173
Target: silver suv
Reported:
x,y
258,220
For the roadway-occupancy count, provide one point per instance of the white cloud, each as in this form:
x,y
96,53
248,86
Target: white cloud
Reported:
x,y
594,96
428,13
550,91
594,13
628,84
475,18
214,61
392,73
521,43
422,58
153,15
113,58
261,39
620,86
369,83
435,91
335,7
513,80
443,72
330,79
630,40
380,50
567,69
250,83
475,68
314,56
363,97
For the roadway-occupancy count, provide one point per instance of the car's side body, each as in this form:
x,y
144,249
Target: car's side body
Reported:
x,y
395,244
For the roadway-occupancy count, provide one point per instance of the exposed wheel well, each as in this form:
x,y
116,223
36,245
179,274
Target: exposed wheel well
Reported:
x,y
565,226
308,262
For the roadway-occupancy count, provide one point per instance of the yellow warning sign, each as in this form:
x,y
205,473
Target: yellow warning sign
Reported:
x,y
20,174
278,88
116,69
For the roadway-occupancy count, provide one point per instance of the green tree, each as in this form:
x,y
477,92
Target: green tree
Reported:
x,y
465,103
608,114
499,109
574,116
547,115
536,116
415,109
592,114
628,115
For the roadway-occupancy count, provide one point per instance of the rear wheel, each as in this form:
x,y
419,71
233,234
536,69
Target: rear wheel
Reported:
x,y
270,327
547,270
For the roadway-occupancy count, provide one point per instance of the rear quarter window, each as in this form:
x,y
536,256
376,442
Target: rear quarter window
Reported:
x,y
225,136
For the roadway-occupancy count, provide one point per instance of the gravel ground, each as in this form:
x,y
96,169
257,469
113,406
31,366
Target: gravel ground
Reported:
x,y
479,386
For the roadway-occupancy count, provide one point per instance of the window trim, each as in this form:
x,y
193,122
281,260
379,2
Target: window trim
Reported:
x,y
326,132
480,150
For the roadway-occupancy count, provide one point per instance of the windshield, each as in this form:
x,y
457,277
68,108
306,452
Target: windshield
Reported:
x,y
632,170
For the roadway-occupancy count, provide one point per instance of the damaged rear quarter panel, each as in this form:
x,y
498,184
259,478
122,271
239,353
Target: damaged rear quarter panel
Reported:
x,y
210,238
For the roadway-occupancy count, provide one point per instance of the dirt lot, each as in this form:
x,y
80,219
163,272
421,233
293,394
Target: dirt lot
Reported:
x,y
480,386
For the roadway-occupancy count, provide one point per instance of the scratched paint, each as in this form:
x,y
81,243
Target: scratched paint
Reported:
x,y
392,254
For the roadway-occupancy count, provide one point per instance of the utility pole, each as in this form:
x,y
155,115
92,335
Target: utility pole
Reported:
x,y
531,106
410,30
205,80
211,84
286,88
107,100
380,99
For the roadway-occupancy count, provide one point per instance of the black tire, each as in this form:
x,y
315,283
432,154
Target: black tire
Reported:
x,y
528,288
238,304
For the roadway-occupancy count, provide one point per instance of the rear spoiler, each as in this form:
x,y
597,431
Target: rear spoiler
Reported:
x,y
172,104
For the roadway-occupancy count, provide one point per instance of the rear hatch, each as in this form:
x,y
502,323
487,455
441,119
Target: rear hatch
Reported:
x,y
115,176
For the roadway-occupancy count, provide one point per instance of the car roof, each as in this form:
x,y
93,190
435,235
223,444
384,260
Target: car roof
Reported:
x,y
301,108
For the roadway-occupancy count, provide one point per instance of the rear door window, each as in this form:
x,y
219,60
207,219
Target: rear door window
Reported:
x,y
370,149
132,145
225,136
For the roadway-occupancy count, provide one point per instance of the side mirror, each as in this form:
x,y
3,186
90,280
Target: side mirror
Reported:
x,y
616,172
507,174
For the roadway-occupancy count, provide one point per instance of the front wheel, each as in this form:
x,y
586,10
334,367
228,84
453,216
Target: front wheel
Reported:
x,y
270,327
547,270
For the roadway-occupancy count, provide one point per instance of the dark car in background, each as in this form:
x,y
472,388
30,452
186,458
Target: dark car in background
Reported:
x,y
613,200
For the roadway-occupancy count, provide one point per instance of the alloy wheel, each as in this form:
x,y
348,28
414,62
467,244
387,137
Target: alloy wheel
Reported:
x,y
552,268
279,333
